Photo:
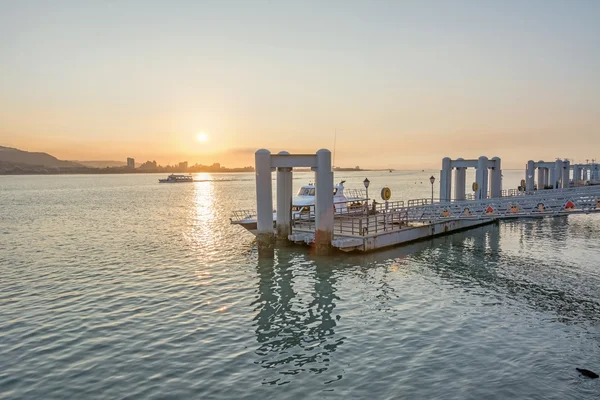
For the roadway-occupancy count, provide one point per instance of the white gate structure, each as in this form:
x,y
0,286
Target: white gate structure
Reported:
x,y
550,175
586,173
482,165
284,162
557,174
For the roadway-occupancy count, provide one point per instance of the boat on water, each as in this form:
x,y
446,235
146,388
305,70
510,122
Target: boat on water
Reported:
x,y
173,178
344,201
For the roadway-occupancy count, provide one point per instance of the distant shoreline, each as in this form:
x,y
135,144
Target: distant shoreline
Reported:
x,y
124,172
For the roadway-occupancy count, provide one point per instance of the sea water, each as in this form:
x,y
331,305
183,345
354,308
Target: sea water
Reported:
x,y
115,286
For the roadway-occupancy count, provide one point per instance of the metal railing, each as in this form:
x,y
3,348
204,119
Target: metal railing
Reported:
x,y
239,215
543,204
359,225
419,202
362,222
355,193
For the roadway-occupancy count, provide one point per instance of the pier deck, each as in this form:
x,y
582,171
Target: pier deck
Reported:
x,y
387,235
393,223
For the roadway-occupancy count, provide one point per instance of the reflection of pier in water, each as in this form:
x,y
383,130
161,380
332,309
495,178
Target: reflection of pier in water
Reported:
x,y
476,258
507,266
295,334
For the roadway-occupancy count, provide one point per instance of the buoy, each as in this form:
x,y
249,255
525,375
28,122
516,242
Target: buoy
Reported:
x,y
386,193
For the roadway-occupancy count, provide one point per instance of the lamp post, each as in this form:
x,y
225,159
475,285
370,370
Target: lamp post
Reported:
x,y
432,180
366,183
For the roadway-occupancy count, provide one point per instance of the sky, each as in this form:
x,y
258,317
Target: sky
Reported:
x,y
403,83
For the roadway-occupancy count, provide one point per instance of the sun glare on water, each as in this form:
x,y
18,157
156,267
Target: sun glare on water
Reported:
x,y
202,137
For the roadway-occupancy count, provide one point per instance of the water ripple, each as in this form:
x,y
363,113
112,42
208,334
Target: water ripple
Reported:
x,y
116,287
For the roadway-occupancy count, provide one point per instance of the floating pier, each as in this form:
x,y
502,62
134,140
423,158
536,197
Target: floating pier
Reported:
x,y
384,224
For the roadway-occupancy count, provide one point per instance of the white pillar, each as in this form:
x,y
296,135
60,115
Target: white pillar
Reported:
x,y
552,179
566,169
284,202
460,178
546,177
529,176
540,178
446,180
585,173
496,179
264,204
482,178
323,203
576,175
558,166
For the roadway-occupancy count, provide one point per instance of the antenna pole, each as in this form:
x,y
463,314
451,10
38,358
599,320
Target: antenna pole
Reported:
x,y
334,141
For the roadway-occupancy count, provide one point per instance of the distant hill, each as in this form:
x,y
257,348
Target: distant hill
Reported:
x,y
101,164
9,155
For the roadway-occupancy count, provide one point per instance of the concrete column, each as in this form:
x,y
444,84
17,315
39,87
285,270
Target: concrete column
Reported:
x,y
576,175
446,180
546,177
264,204
566,169
481,177
323,203
496,178
552,179
585,173
540,178
529,176
283,225
558,166
460,178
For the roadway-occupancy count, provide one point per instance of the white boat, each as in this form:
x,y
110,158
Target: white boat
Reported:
x,y
177,179
344,201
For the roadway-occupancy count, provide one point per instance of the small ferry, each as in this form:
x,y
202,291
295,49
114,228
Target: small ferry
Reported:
x,y
177,179
345,201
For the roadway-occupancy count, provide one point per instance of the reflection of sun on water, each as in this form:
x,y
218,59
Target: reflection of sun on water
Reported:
x,y
202,216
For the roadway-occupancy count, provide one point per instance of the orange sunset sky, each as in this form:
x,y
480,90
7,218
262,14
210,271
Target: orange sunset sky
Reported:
x,y
404,83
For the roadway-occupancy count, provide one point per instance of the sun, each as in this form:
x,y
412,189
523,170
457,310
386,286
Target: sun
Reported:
x,y
202,137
